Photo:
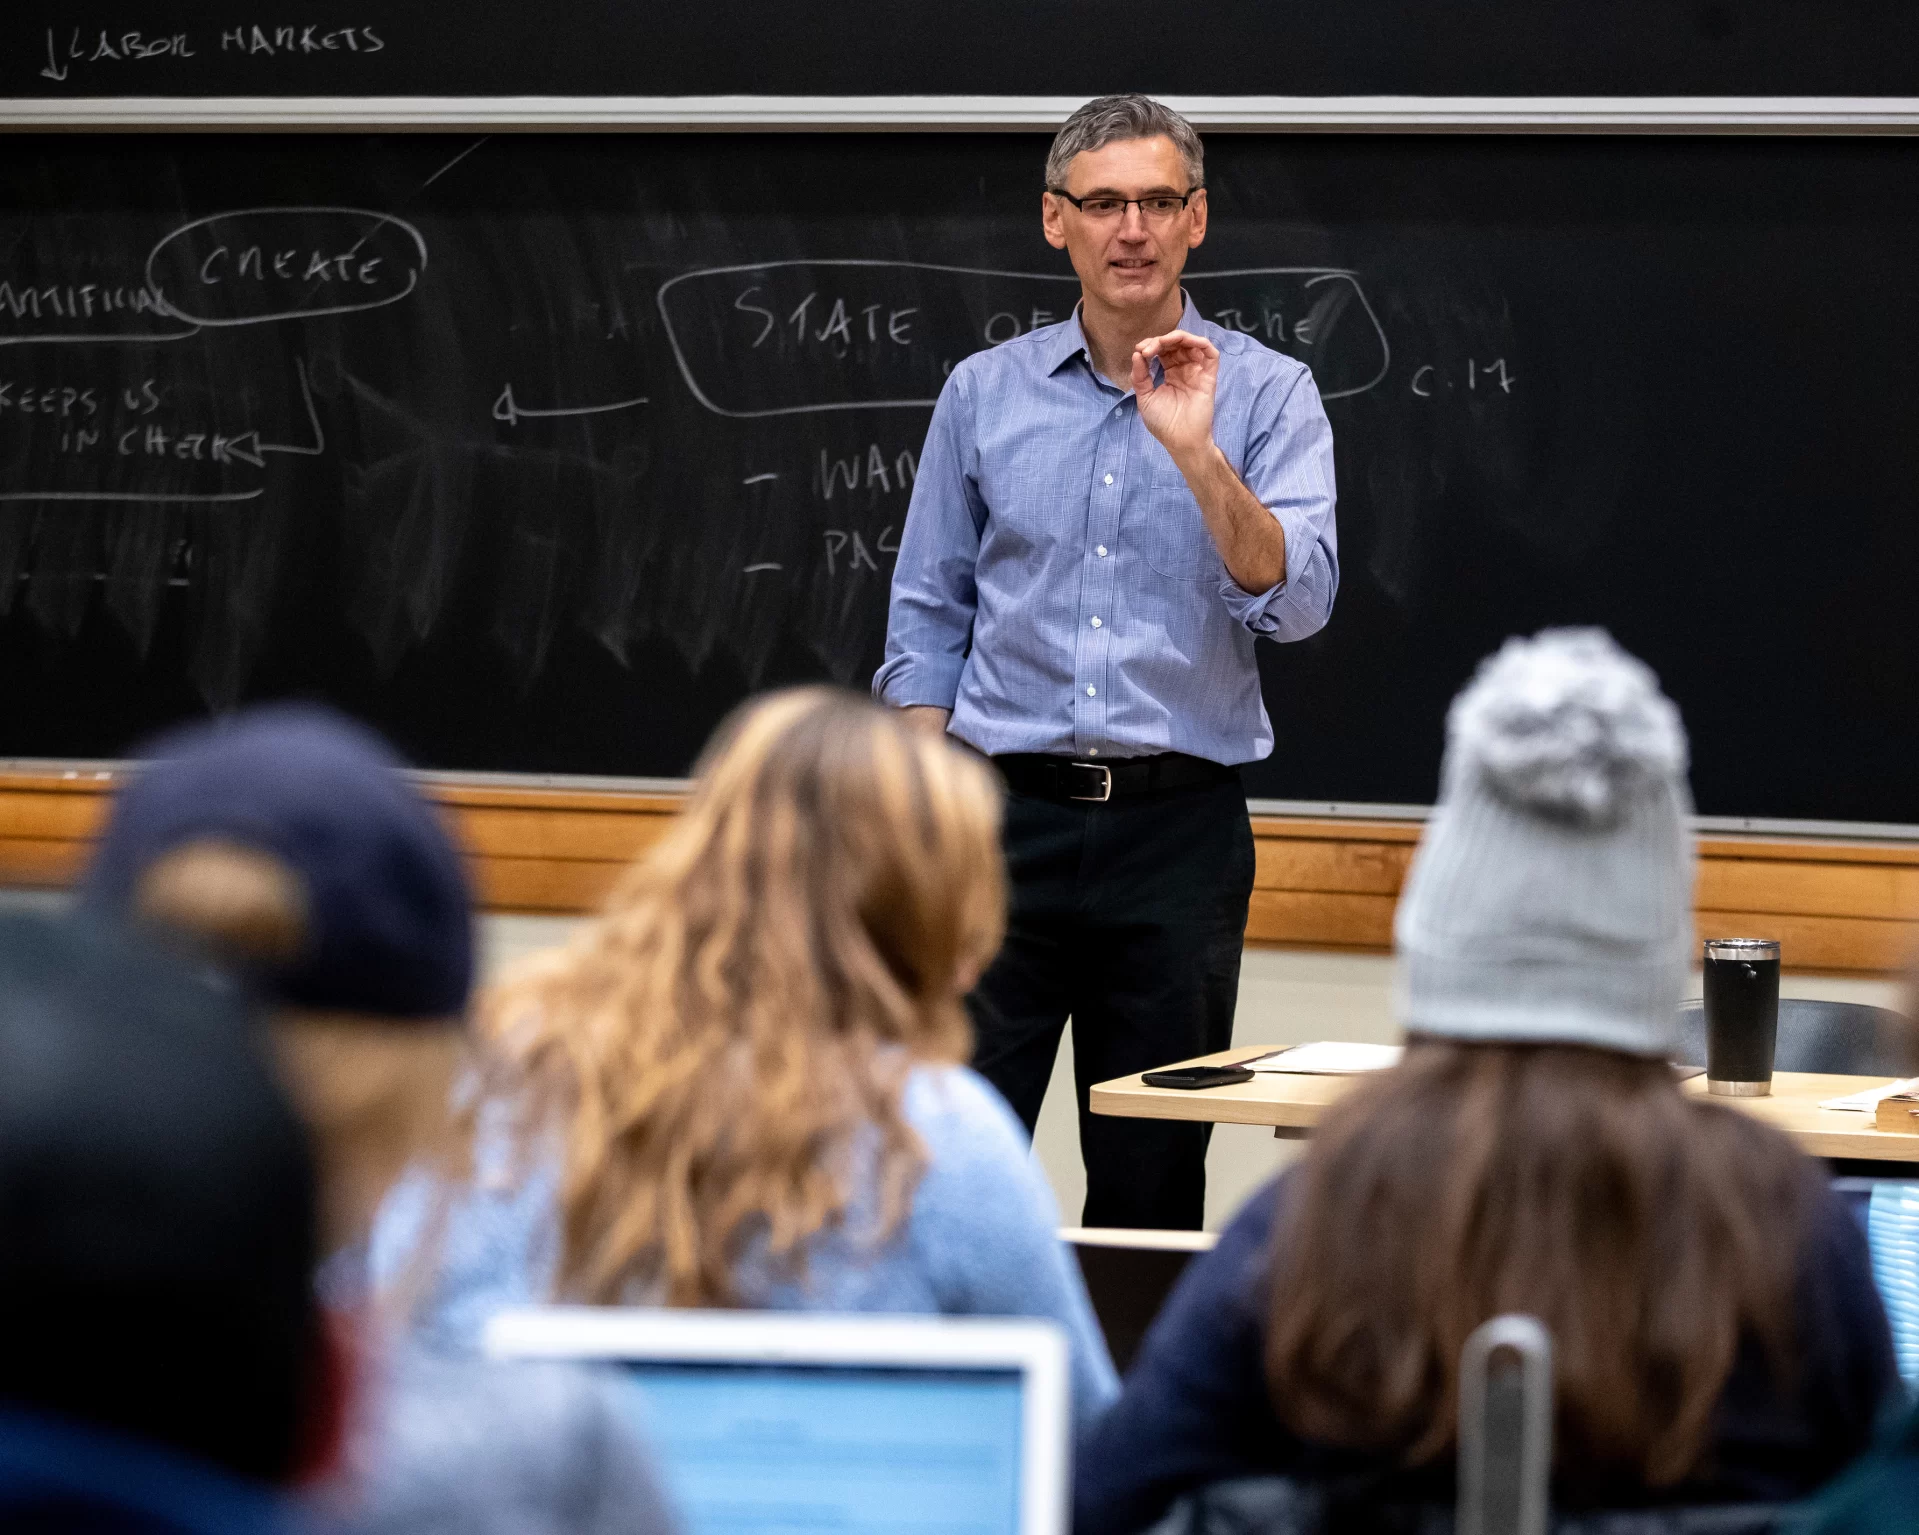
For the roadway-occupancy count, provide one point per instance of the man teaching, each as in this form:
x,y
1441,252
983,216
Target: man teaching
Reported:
x,y
1108,512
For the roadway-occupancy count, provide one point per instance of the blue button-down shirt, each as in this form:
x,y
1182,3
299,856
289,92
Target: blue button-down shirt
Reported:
x,y
1056,586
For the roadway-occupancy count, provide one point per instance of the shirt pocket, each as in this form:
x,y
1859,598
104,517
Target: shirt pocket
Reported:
x,y
1177,543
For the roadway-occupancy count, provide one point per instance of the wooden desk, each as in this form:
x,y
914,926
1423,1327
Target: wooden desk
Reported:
x,y
1295,1103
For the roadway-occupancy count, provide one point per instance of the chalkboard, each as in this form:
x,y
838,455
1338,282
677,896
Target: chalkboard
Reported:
x,y
541,452
1030,47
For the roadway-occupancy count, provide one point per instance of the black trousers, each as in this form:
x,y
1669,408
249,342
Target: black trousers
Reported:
x,y
1127,917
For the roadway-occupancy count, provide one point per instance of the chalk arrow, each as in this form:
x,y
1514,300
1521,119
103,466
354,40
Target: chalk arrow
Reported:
x,y
53,71
226,449
509,410
313,420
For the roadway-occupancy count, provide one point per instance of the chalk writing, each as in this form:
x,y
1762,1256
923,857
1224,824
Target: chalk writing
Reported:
x,y
258,264
73,423
837,542
62,401
873,470
796,337
76,308
444,416
847,550
318,38
86,46
80,301
838,325
1002,325
1321,316
1475,376
105,47
507,409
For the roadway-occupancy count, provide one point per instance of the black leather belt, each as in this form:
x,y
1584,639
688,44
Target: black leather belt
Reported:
x,y
1080,780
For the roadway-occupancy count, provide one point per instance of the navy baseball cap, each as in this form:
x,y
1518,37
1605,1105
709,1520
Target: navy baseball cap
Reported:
x,y
388,909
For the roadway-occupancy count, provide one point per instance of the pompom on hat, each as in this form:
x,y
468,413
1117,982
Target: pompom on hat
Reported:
x,y
1551,898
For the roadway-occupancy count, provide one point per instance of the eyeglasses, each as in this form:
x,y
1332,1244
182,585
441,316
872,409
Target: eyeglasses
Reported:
x,y
1157,208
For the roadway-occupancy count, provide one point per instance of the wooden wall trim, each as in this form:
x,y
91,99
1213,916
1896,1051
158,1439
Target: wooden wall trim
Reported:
x,y
1836,906
1320,883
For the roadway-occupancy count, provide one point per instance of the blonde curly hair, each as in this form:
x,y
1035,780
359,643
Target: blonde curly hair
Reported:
x,y
707,1052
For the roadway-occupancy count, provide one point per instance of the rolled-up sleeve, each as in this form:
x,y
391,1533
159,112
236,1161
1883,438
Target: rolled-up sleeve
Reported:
x,y
1289,466
929,624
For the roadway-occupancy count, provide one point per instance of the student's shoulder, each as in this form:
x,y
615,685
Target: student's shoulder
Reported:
x,y
534,1411
983,1217
978,1157
1223,1291
955,1108
1253,1222
528,1446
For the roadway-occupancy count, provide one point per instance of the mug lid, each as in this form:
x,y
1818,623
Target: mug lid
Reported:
x,y
1742,948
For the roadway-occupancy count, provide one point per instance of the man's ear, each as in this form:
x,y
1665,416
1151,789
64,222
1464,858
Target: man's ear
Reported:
x,y
334,1379
1197,234
1050,222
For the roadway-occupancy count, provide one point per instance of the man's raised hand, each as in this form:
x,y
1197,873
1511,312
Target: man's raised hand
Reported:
x,y
1179,409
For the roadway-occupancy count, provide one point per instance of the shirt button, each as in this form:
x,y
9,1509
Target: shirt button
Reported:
x,y
1092,692
1095,623
1101,551
1109,479
1119,410
1092,751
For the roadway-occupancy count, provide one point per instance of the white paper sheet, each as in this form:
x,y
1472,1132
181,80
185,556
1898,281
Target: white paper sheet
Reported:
x,y
1866,1101
1329,1058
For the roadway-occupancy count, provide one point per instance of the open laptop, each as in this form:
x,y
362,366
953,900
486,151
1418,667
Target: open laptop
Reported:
x,y
776,1422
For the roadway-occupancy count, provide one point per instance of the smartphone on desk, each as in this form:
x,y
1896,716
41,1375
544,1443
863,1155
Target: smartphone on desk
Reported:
x,y
1197,1076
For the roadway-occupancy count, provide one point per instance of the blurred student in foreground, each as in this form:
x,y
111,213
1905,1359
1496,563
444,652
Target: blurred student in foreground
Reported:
x,y
287,847
163,1365
1880,1495
1716,1334
740,1085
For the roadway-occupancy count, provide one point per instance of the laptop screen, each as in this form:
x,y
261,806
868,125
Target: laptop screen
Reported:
x,y
785,1448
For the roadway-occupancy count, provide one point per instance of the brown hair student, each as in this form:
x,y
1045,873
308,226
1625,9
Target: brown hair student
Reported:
x,y
1716,1334
740,1085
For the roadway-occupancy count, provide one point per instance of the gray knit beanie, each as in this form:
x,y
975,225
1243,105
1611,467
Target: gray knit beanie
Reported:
x,y
1551,897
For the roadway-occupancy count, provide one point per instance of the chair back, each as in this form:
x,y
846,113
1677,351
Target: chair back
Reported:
x,y
1851,1039
1505,1427
1128,1276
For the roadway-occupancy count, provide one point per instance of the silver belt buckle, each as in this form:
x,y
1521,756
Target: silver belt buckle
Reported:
x,y
1106,782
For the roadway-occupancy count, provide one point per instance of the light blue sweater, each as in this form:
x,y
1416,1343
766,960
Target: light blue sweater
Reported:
x,y
981,1240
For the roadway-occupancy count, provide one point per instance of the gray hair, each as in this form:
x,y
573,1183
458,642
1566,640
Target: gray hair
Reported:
x,y
1112,119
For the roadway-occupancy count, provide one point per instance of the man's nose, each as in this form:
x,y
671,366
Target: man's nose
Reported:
x,y
1132,222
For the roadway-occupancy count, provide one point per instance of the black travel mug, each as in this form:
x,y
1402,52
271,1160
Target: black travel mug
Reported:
x,y
1742,1015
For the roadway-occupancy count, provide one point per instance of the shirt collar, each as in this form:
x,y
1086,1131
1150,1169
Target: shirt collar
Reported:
x,y
1066,343
1069,341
